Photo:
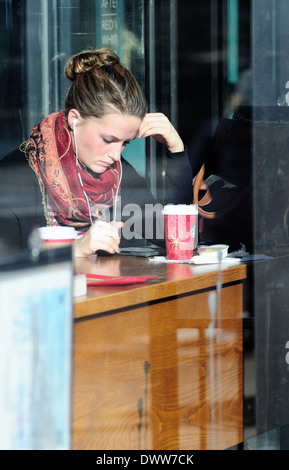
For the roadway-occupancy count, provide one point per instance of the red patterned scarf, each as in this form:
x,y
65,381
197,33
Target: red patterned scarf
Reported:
x,y
50,154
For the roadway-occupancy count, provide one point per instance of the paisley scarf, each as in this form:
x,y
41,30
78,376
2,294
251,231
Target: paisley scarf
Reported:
x,y
51,155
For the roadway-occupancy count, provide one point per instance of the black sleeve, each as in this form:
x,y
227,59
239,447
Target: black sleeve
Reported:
x,y
179,179
21,207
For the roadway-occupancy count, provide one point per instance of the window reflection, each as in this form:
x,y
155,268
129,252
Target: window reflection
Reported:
x,y
208,64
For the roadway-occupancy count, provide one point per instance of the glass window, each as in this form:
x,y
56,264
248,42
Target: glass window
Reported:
x,y
38,38
12,74
220,71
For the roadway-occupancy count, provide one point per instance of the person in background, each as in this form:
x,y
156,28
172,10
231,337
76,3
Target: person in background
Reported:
x,y
72,167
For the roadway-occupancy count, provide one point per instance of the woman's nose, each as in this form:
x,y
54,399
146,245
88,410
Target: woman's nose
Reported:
x,y
115,153
115,156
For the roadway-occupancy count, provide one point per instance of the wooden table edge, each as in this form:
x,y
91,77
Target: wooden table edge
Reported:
x,y
121,297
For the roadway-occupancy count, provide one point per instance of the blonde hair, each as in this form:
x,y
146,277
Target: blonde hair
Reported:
x,y
101,83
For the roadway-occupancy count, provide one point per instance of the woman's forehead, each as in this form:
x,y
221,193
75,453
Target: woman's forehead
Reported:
x,y
119,126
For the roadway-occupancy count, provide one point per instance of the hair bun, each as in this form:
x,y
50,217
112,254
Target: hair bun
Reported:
x,y
86,60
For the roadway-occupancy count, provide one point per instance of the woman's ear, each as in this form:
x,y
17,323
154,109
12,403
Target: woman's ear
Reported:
x,y
73,117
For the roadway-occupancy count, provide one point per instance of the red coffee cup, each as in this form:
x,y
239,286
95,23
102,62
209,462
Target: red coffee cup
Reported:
x,y
181,230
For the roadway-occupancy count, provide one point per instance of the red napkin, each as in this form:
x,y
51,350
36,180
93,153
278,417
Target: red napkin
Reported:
x,y
99,279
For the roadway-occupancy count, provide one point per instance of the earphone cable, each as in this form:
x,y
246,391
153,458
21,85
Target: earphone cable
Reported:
x,y
81,183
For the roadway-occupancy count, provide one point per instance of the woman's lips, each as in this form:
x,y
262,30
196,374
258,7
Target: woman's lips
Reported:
x,y
105,164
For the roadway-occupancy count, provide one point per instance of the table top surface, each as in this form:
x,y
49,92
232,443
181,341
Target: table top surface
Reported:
x,y
171,279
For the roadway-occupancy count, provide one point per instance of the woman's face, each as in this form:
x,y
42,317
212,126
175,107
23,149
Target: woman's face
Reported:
x,y
100,141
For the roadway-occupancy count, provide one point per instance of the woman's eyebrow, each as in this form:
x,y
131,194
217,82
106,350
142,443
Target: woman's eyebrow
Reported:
x,y
112,137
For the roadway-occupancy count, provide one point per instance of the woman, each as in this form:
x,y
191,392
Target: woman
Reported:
x,y
74,159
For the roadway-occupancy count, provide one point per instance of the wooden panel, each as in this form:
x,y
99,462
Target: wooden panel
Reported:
x,y
154,378
110,380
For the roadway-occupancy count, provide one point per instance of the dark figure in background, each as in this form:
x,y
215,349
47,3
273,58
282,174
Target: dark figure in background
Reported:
x,y
225,159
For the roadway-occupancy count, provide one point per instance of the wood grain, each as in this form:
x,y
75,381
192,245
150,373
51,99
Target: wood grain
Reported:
x,y
172,279
148,371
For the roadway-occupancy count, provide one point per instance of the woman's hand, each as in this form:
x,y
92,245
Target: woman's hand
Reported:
x,y
101,236
158,126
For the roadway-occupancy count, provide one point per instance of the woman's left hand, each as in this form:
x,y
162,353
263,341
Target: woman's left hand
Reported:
x,y
158,126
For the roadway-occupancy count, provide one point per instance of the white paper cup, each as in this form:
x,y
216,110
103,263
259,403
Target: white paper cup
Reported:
x,y
57,236
181,230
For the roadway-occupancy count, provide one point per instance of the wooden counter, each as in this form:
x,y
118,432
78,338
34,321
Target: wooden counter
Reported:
x,y
149,371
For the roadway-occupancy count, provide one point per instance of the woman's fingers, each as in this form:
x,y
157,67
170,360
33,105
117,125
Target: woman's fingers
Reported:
x,y
101,236
106,235
157,125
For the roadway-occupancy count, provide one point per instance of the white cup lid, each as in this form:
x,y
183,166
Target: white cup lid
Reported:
x,y
57,233
180,209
